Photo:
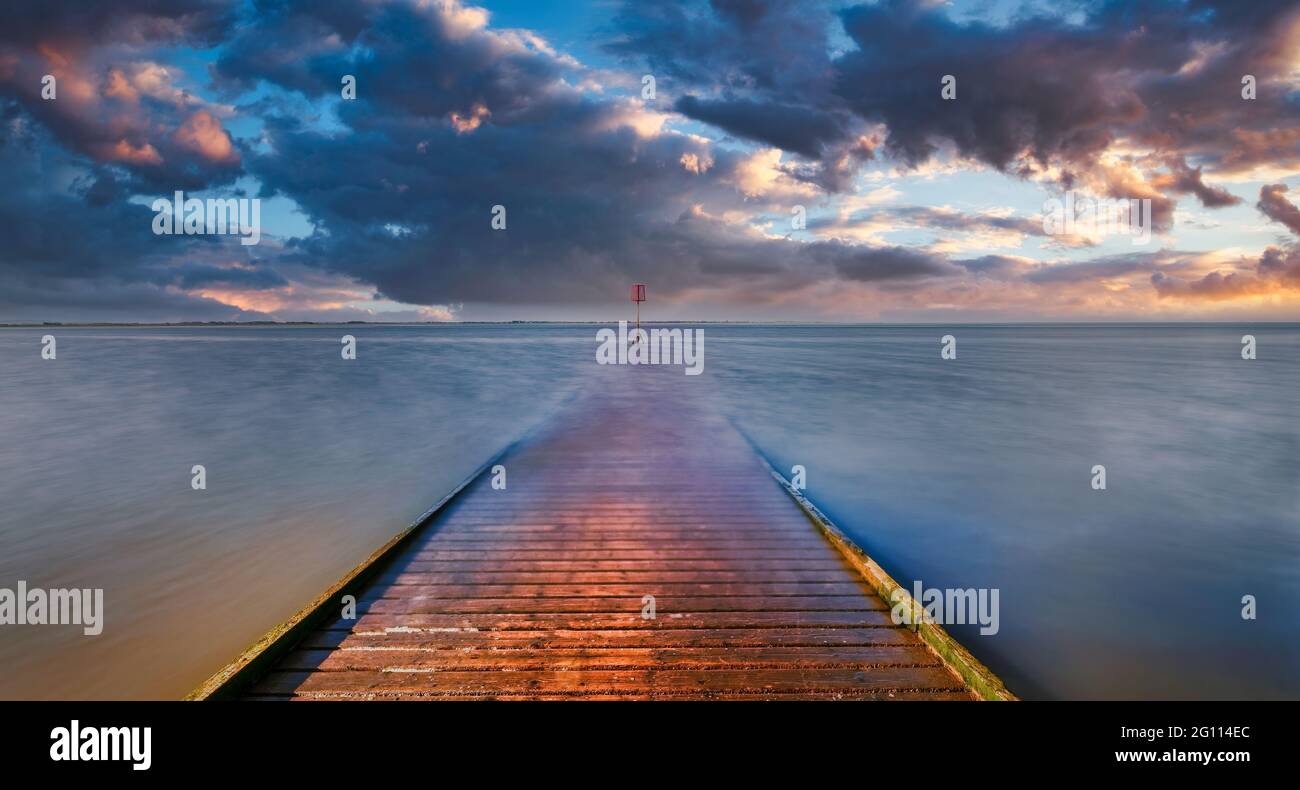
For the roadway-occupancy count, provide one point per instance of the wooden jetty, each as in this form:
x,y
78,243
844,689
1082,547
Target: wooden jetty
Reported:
x,y
540,591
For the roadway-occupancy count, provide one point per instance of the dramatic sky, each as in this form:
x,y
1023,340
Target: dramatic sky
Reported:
x,y
918,208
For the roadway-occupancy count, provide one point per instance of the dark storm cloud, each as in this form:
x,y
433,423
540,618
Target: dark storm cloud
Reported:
x,y
789,127
867,264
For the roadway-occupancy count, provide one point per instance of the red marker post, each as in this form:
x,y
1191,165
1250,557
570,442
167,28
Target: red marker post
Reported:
x,y
638,296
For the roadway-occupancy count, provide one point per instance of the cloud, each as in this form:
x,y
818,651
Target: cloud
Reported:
x,y
1188,179
202,134
1096,270
955,231
1278,208
1277,272
883,263
788,127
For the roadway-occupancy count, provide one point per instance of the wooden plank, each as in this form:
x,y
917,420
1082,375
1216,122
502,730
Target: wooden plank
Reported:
x,y
457,542
373,659
890,696
493,565
668,682
664,605
561,638
701,527
623,620
651,576
863,696
561,590
617,556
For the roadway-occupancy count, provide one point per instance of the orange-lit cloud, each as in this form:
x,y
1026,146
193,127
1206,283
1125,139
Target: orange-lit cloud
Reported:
x,y
143,154
202,134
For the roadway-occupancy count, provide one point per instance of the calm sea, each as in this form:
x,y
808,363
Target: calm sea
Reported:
x,y
971,472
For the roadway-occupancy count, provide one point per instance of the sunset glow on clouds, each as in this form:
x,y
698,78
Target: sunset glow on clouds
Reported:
x,y
917,208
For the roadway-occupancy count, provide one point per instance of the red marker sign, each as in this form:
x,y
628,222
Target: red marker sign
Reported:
x,y
638,296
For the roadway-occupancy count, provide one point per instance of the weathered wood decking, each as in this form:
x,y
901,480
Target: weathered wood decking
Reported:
x,y
538,591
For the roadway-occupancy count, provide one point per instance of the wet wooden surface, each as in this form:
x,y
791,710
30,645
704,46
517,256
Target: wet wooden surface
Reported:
x,y
538,591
